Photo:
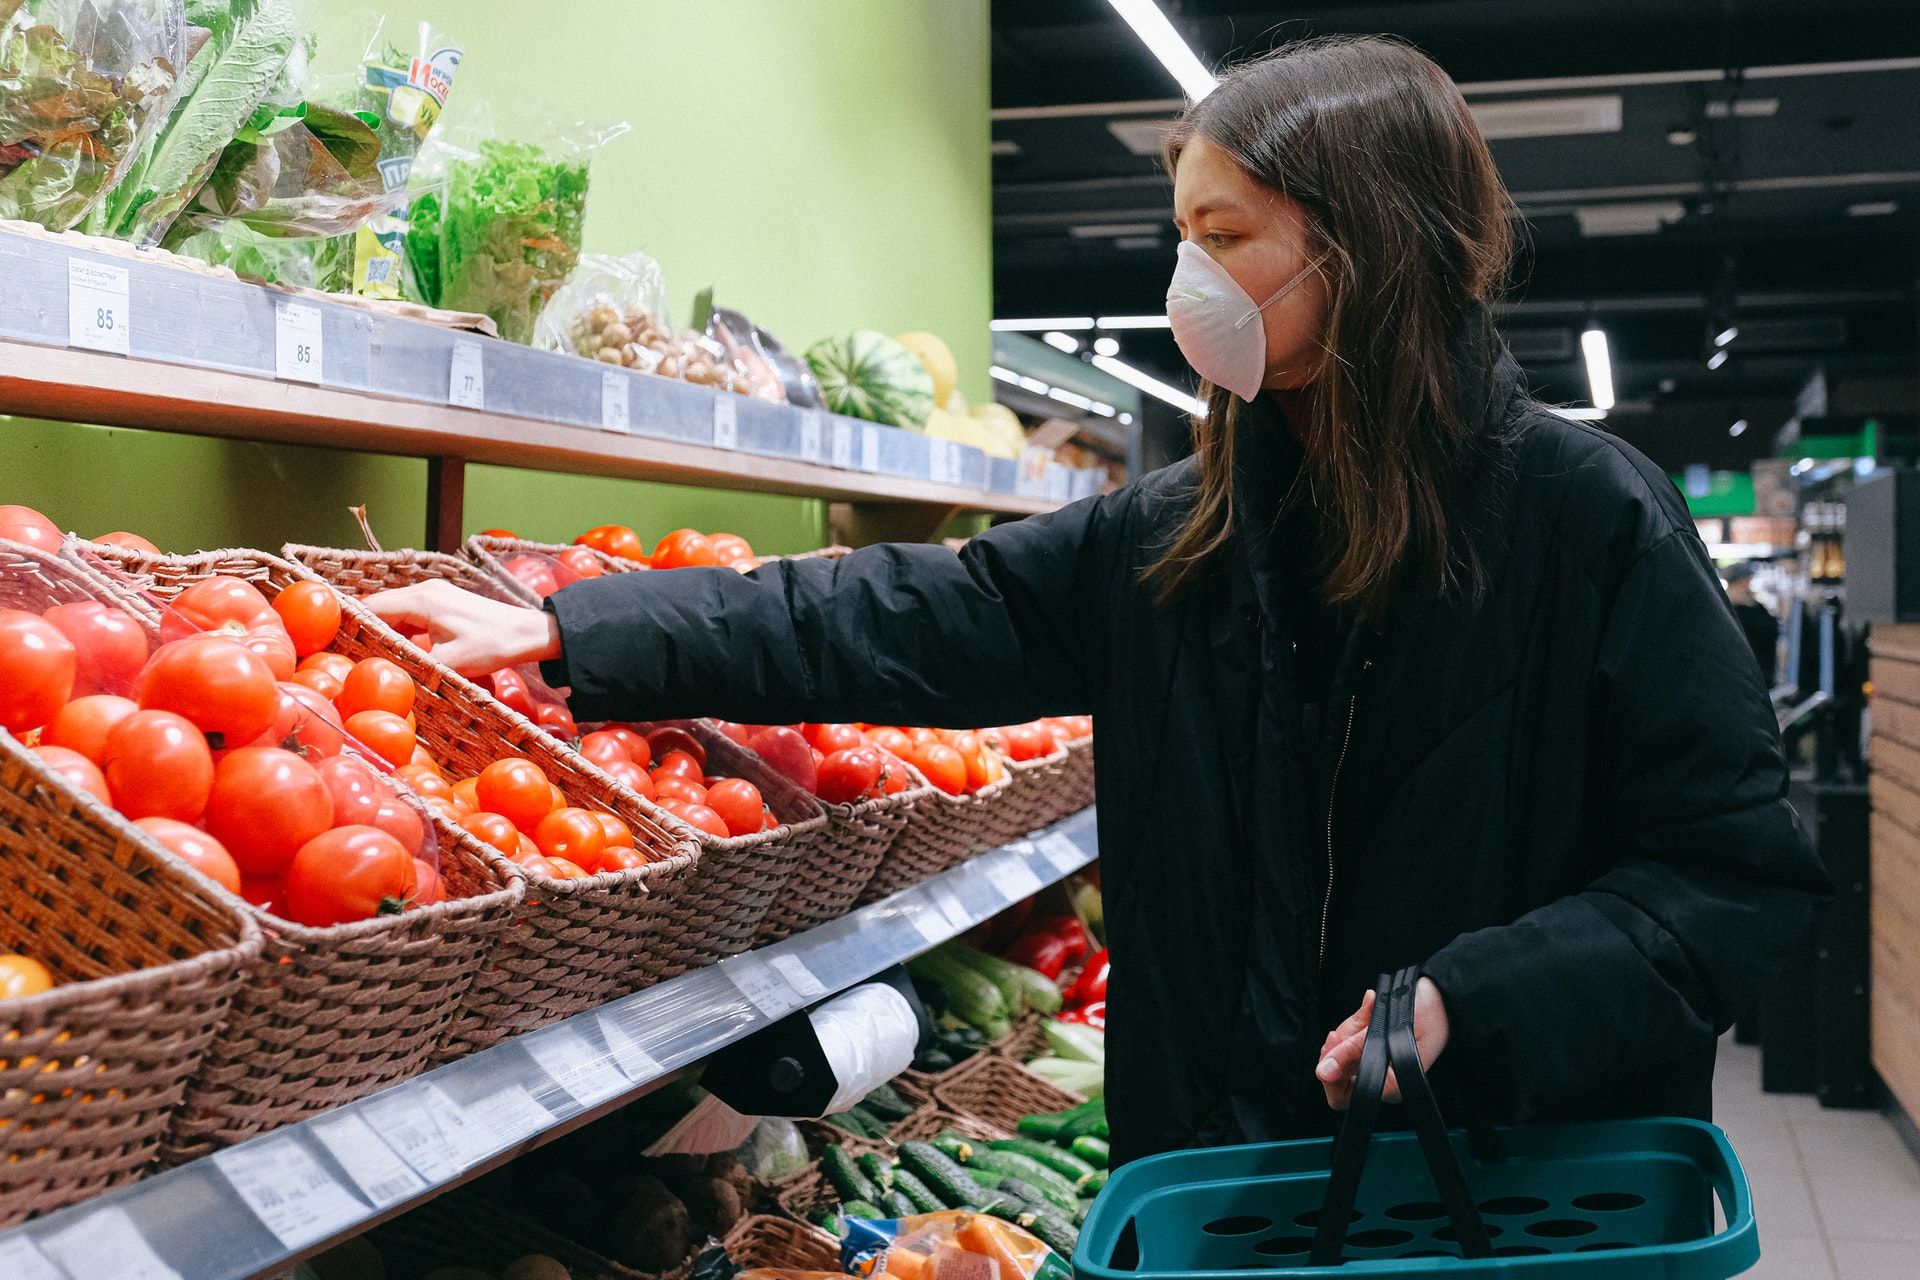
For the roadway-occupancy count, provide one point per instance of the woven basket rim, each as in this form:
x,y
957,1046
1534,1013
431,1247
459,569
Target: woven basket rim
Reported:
x,y
807,826
495,547
303,553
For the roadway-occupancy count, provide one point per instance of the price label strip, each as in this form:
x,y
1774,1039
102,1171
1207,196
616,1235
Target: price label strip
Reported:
x,y
297,341
408,1122
616,413
794,972
382,1176
467,375
565,1055
106,1243
504,1118
99,317
19,1260
810,446
726,421
289,1190
763,987
843,445
628,1051
870,448
1016,877
958,918
1063,853
937,462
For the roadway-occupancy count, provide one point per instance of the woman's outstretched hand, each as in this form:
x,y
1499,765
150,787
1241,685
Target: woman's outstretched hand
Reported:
x,y
1340,1055
470,633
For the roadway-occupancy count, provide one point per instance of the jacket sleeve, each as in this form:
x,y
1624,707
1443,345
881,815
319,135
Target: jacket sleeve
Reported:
x,y
1002,632
1708,879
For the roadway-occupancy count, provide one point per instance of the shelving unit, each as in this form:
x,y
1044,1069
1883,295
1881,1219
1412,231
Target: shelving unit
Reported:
x,y
258,1207
140,341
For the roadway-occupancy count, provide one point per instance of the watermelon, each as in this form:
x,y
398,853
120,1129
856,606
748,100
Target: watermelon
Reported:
x,y
869,375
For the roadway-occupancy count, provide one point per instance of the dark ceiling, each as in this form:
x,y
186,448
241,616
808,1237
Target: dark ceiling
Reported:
x,y
1764,172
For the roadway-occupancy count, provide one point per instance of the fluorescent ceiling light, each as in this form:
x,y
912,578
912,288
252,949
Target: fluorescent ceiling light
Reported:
x,y
1581,413
1137,242
1034,385
1872,209
1632,218
1142,137
1164,43
1743,108
1726,335
1159,321
1104,410
1042,322
1548,117
1738,429
1073,398
1060,341
1717,359
1126,419
1002,374
1151,385
1106,346
1101,230
1593,344
1005,147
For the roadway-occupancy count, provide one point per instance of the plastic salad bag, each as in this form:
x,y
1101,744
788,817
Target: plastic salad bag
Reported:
x,y
84,85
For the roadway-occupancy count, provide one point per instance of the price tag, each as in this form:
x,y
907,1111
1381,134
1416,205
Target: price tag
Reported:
x,y
575,1066
296,341
793,970
19,1260
289,1190
507,1117
1016,878
1063,853
932,923
959,919
382,1176
467,375
869,448
615,411
843,445
937,462
627,1050
409,1121
98,316
1059,479
764,988
726,421
810,447
106,1243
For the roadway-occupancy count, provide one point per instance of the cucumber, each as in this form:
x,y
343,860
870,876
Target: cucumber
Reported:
x,y
1088,1122
1044,1127
971,997
863,1209
846,1177
1045,1180
987,1178
1094,1151
1057,1234
1065,1163
1023,988
900,1205
887,1104
958,1147
826,1219
942,1176
924,1201
879,1172
1094,1185
1040,1216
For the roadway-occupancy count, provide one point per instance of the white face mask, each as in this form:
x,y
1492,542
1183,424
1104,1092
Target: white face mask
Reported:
x,y
1217,323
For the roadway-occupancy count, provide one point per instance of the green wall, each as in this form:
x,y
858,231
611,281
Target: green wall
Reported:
x,y
822,163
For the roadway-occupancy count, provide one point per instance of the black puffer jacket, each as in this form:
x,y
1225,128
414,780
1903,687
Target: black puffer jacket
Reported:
x,y
1568,802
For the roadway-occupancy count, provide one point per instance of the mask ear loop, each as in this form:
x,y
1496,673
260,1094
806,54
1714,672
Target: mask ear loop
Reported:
x,y
1282,291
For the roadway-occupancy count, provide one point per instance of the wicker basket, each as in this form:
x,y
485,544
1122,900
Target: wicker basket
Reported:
x,y
805,1192
1073,790
996,1092
942,832
569,945
149,956
361,573
1032,799
462,1229
764,1240
492,554
852,848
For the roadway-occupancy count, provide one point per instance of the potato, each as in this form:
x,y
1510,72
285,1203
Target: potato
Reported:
x,y
535,1266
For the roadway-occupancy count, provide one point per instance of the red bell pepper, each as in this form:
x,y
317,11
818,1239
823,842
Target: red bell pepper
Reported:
x,y
1042,952
1093,1015
1092,985
1069,930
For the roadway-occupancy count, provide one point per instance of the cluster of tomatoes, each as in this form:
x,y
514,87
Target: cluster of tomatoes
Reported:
x,y
30,528
669,767
846,763
682,549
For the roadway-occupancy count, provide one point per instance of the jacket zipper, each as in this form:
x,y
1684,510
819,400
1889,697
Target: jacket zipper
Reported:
x,y
1333,796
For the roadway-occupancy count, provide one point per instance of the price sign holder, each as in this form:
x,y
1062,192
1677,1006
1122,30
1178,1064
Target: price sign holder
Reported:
x,y
298,341
99,316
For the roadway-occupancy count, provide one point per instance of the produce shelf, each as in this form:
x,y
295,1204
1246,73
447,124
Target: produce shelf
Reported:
x,y
259,1207
138,341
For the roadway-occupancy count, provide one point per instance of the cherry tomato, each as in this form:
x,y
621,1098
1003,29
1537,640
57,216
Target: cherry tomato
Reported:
x,y
355,789
228,692
109,646
684,548
510,687
618,834
604,748
384,734
84,723
699,817
556,720
426,782
942,766
77,769
491,828
348,874
376,684
337,665
223,604
850,775
265,804
661,742
829,738
431,888
678,764
730,548
158,766
128,542
37,666
517,790
401,821
632,776
310,611
22,976
29,528
535,574
195,848
580,563
615,540
739,804
573,834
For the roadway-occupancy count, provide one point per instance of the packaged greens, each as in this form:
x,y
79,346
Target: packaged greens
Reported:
x,y
84,84
325,264
407,89
300,171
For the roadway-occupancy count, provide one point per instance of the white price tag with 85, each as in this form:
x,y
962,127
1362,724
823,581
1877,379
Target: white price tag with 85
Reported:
x,y
467,375
627,1049
615,402
575,1066
106,1243
382,1176
297,341
810,447
726,421
19,1260
98,315
289,1191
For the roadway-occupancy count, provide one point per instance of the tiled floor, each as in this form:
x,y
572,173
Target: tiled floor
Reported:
x,y
1836,1194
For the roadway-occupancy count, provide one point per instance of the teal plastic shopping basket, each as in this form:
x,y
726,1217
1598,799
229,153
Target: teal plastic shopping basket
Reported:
x,y
1604,1201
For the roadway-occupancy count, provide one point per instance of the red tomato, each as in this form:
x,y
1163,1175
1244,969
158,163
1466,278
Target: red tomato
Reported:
x,y
662,742
466,794
443,808
889,740
923,735
271,646
604,748
337,665
386,735
265,804
376,684
1026,742
423,759
739,804
850,775
500,533
310,611
638,749
738,732
491,828
264,895
84,723
535,574
537,865
942,766
348,874
109,646
580,563
618,834
678,764
615,540
217,684
699,817
318,681
510,687
667,786
314,731
787,751
223,604
730,548
632,776
401,821
29,528
431,888
896,778
620,858
128,542
355,789
77,769
158,766
829,738
195,848
561,869
517,790
528,849
425,782
37,665
556,720
573,834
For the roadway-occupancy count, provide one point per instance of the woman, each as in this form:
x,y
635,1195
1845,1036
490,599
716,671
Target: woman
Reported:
x,y
1399,669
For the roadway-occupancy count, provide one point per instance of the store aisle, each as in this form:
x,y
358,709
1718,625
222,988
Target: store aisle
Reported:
x,y
1836,1193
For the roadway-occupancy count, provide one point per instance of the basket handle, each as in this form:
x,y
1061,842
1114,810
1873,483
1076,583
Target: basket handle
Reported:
x,y
1390,1042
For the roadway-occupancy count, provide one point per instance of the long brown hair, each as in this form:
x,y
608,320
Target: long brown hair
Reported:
x,y
1376,144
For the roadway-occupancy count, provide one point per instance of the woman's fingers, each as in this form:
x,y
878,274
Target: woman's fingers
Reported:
x,y
472,634
415,606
